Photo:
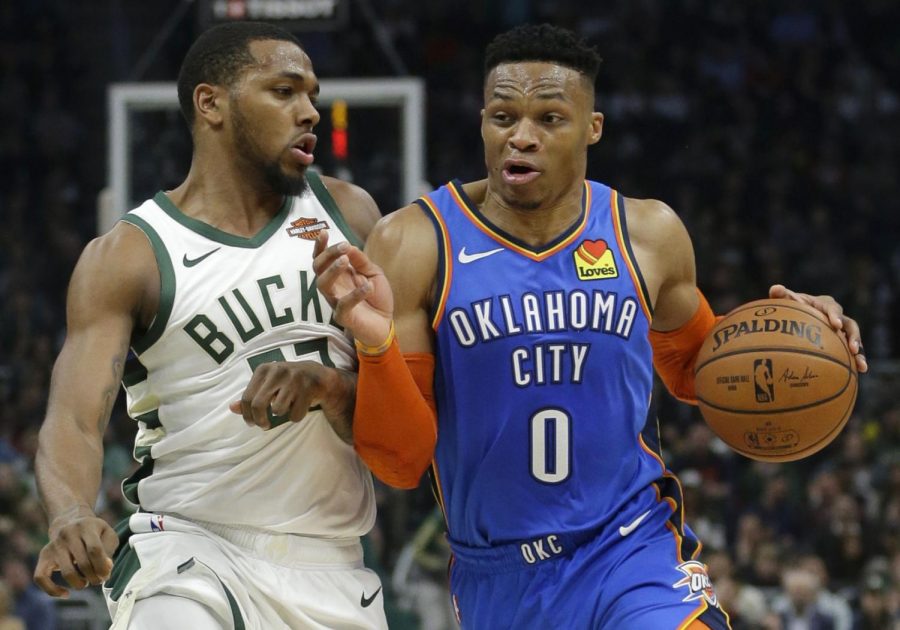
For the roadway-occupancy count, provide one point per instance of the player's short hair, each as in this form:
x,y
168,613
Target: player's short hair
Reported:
x,y
218,56
543,42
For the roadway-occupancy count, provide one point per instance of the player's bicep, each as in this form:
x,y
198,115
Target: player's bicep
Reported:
x,y
676,301
404,245
103,302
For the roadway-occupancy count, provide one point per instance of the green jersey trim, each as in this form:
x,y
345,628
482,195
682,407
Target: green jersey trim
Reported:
x,y
217,235
125,563
331,207
134,372
140,343
130,485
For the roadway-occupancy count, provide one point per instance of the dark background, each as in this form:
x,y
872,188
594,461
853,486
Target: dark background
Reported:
x,y
770,127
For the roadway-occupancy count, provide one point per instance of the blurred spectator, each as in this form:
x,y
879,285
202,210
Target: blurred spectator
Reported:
x,y
8,621
746,605
32,605
772,128
830,603
798,605
420,576
874,606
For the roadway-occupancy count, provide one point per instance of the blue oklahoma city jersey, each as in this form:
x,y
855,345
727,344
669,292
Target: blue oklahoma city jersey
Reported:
x,y
543,374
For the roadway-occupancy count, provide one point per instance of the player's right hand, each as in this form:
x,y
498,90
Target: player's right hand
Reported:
x,y
80,548
356,288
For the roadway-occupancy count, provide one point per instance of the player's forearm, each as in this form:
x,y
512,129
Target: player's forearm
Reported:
x,y
339,402
395,425
68,469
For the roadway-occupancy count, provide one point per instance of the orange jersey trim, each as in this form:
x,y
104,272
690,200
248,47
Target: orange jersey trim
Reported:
x,y
624,248
536,256
444,288
677,528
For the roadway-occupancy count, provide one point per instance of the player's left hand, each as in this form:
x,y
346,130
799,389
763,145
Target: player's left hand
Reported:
x,y
835,314
288,389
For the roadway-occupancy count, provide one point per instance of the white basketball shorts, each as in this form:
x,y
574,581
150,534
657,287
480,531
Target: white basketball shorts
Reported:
x,y
248,579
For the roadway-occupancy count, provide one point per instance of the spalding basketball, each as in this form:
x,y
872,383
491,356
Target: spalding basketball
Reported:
x,y
775,381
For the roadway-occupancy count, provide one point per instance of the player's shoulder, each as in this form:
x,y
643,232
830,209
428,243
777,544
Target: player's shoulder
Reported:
x,y
125,245
407,227
652,222
355,203
117,267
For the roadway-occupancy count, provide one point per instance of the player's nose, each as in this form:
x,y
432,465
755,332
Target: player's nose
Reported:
x,y
307,114
524,136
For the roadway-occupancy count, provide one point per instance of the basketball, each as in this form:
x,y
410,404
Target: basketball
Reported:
x,y
774,381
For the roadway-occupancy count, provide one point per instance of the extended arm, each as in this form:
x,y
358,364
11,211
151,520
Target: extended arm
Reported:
x,y
394,425
682,317
106,294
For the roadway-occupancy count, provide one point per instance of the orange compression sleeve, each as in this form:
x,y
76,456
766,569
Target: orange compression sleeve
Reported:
x,y
675,351
395,421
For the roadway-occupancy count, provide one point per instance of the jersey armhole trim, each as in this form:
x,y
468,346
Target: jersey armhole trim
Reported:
x,y
140,343
445,259
321,192
621,228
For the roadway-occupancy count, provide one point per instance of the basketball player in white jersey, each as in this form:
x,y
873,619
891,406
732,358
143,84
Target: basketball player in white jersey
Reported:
x,y
203,303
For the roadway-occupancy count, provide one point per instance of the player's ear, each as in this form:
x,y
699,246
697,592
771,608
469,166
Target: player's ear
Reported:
x,y
209,103
596,128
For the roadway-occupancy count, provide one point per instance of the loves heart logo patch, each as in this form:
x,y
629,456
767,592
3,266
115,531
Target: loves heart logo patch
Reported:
x,y
594,261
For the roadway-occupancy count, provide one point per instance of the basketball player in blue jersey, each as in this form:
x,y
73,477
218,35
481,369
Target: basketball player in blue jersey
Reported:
x,y
530,308
211,287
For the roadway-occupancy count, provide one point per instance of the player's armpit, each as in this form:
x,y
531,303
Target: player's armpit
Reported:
x,y
675,351
395,423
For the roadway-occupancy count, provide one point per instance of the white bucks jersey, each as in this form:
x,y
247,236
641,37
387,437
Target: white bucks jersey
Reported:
x,y
228,304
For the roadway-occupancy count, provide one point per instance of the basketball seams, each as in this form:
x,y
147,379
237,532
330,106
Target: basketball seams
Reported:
x,y
773,412
810,449
797,343
784,349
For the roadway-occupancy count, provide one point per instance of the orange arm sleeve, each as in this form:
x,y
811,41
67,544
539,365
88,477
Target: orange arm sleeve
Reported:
x,y
395,421
675,351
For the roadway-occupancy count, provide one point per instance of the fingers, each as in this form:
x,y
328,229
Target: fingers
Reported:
x,y
328,275
854,341
110,541
327,256
82,564
779,291
824,303
321,243
99,564
43,574
278,391
836,318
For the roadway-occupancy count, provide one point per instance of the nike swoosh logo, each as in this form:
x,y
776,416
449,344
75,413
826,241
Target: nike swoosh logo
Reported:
x,y
465,258
633,525
190,262
365,602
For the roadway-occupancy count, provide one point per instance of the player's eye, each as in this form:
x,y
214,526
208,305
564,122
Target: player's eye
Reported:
x,y
283,90
552,118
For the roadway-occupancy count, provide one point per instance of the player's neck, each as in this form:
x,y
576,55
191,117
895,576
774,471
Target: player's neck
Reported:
x,y
534,226
225,199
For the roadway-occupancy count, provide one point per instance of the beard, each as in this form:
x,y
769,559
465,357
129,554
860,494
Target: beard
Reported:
x,y
274,176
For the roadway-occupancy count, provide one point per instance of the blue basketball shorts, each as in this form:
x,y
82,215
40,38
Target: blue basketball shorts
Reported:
x,y
635,575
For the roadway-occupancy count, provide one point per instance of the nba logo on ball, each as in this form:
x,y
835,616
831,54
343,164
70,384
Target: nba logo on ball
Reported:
x,y
762,380
774,381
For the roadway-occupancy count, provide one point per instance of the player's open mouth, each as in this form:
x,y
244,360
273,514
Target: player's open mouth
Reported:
x,y
303,149
517,172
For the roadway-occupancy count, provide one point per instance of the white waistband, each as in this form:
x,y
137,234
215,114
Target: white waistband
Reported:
x,y
276,547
